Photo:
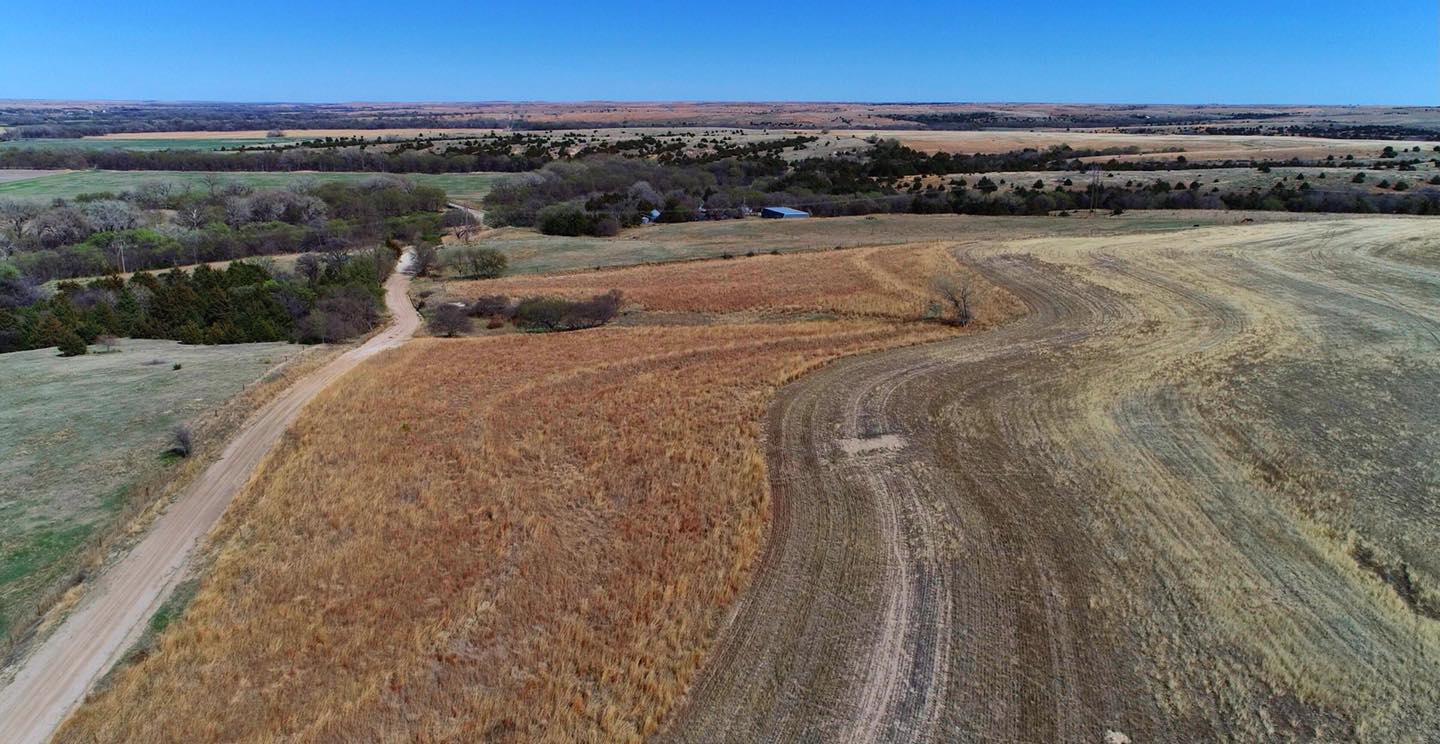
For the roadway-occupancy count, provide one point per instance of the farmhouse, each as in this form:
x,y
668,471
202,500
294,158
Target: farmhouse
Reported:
x,y
782,213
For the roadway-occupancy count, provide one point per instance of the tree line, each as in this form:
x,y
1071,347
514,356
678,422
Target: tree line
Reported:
x,y
328,297
160,224
601,195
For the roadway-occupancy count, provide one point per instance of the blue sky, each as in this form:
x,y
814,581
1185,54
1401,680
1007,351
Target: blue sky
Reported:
x,y
1215,51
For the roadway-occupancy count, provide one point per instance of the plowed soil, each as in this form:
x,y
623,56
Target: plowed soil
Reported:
x,y
1192,496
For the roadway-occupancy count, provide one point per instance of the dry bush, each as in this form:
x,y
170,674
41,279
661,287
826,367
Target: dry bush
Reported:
x,y
893,282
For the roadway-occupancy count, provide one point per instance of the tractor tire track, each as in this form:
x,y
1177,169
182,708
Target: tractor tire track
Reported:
x,y
1065,527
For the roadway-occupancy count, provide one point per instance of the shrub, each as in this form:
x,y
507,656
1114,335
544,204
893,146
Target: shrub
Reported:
x,y
492,306
450,320
557,314
71,344
541,313
596,311
562,219
182,441
474,262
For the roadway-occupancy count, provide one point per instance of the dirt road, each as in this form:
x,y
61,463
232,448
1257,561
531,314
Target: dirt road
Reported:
x,y
1136,513
59,673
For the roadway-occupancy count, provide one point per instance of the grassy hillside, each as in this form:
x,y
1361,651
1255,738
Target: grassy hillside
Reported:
x,y
77,433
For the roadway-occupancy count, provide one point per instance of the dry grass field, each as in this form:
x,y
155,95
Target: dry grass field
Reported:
x,y
889,282
530,252
1189,494
551,564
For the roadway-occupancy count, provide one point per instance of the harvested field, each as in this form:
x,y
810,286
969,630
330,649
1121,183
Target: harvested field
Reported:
x,y
1225,179
1197,148
1191,496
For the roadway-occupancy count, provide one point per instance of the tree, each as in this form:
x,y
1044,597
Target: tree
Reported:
x,y
71,344
212,182
450,320
474,262
541,313
596,311
192,216
111,214
492,306
14,214
959,295
425,259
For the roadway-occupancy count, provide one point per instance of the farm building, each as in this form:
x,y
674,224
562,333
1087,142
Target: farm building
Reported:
x,y
782,213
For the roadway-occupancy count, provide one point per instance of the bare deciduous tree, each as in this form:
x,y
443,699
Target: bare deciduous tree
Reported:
x,y
212,183
959,295
427,257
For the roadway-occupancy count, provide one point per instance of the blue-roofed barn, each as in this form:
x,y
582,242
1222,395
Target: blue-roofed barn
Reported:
x,y
782,213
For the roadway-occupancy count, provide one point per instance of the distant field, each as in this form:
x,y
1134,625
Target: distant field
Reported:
x,y
146,142
76,433
532,253
1196,148
1226,179
67,184
296,135
7,175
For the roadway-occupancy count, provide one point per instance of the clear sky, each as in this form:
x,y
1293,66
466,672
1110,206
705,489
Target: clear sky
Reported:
x,y
1197,51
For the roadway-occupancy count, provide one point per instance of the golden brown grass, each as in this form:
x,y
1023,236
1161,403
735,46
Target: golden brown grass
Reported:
x,y
893,282
519,538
